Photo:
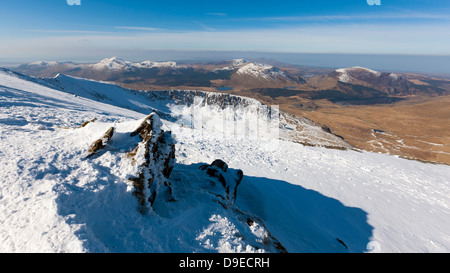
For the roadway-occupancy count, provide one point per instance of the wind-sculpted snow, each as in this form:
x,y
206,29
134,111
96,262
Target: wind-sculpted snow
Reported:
x,y
53,198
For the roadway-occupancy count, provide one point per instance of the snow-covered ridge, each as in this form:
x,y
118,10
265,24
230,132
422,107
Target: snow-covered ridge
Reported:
x,y
216,111
345,73
358,68
239,62
151,64
112,64
115,63
236,64
258,70
44,63
393,76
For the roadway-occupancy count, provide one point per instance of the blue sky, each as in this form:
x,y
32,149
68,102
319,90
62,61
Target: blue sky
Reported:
x,y
51,29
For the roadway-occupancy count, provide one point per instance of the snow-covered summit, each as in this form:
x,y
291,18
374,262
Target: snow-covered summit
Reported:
x,y
152,64
358,68
239,62
112,63
115,63
109,64
345,74
258,70
44,63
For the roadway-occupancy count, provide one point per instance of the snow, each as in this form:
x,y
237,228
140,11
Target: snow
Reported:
x,y
113,63
236,64
345,70
116,64
344,73
260,70
239,62
151,64
218,112
394,76
53,199
43,63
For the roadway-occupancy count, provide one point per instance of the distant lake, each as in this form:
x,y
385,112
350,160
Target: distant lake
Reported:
x,y
224,88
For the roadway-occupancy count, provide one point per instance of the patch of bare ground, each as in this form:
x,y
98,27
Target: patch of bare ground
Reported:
x,y
417,128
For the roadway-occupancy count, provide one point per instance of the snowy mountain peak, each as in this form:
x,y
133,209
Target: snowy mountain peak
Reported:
x,y
152,64
112,63
239,62
115,63
260,70
393,76
357,68
347,74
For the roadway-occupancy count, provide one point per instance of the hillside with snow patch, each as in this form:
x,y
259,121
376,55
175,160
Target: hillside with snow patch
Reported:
x,y
53,198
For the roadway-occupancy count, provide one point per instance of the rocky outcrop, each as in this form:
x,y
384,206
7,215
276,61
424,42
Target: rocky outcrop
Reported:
x,y
156,155
223,186
229,179
101,142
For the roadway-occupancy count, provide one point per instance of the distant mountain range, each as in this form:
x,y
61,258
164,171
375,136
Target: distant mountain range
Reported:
x,y
354,84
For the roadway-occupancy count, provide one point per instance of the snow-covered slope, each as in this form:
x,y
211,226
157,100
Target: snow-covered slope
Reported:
x,y
310,199
345,73
258,70
224,113
115,63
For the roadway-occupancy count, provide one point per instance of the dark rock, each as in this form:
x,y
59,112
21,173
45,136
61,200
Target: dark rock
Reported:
x,y
101,142
228,178
220,164
87,122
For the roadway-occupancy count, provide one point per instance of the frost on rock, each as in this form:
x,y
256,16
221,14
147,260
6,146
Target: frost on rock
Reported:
x,y
248,233
156,151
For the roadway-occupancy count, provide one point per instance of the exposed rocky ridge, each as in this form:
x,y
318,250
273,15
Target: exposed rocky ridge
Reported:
x,y
156,154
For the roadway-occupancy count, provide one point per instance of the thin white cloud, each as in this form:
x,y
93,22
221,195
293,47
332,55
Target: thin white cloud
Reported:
x,y
336,38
